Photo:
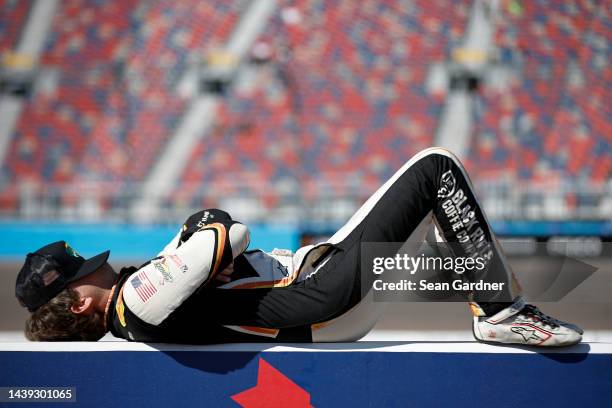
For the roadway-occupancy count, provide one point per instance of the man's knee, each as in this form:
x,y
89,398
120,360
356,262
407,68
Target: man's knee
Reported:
x,y
439,153
443,169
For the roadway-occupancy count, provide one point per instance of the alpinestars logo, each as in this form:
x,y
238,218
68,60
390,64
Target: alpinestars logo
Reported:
x,y
447,185
528,334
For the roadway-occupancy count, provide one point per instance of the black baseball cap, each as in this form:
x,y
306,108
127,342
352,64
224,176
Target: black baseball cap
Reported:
x,y
49,270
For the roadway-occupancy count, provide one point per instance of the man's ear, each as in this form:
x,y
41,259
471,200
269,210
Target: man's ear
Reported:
x,y
83,306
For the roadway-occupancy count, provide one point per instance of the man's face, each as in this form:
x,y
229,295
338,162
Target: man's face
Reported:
x,y
90,288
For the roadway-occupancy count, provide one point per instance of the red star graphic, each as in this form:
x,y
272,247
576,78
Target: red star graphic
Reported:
x,y
273,389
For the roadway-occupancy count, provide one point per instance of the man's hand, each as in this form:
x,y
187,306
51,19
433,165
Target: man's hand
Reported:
x,y
225,275
201,219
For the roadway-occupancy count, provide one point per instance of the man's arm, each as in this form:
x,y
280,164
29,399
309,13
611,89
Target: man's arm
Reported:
x,y
206,245
194,223
172,245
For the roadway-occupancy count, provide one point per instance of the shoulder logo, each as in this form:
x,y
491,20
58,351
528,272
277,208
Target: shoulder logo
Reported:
x,y
204,219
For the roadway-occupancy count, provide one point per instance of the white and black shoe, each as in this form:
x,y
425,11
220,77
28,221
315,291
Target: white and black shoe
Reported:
x,y
521,323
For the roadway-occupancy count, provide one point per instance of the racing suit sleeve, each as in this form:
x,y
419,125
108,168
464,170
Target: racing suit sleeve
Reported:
x,y
193,224
172,245
159,287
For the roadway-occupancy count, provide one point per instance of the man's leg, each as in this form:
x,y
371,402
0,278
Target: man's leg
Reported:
x,y
432,181
436,180
353,324
392,214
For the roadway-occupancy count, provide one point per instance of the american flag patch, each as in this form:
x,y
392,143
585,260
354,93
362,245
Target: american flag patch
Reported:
x,y
143,286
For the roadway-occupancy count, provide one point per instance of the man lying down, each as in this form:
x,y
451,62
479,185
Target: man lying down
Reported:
x,y
206,287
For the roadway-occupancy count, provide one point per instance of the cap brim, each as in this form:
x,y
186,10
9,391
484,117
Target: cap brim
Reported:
x,y
91,265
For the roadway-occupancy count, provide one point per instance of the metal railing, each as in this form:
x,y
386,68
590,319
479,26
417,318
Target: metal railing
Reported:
x,y
328,199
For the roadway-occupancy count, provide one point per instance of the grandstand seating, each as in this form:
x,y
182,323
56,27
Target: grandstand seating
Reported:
x,y
552,122
345,104
13,14
145,113
101,116
53,131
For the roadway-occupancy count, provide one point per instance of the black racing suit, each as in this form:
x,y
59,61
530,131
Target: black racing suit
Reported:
x,y
324,282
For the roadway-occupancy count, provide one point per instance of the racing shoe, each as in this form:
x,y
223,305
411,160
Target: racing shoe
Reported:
x,y
521,323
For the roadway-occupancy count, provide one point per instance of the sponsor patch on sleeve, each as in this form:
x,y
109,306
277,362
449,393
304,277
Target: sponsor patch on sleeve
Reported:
x,y
176,260
143,286
120,308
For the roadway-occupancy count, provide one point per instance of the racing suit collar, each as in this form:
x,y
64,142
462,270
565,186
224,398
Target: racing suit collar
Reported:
x,y
110,313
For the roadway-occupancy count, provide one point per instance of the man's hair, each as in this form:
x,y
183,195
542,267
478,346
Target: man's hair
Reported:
x,y
55,321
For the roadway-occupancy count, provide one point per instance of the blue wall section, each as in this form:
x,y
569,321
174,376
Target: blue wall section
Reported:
x,y
340,379
516,228
125,241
